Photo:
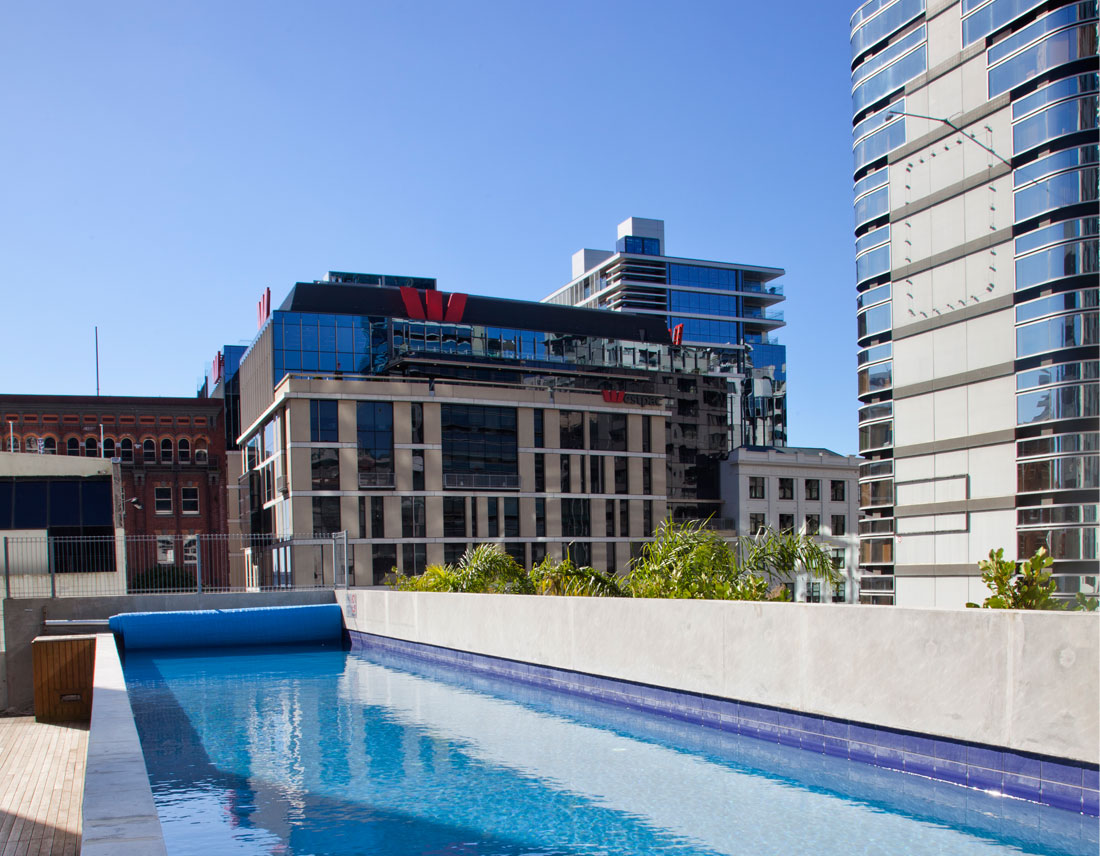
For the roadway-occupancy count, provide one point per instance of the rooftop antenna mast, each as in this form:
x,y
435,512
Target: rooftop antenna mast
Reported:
x,y
97,361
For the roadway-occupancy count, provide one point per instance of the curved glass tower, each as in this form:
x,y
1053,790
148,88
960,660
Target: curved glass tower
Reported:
x,y
975,184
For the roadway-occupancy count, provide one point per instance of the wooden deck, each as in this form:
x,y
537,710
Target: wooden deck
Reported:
x,y
41,786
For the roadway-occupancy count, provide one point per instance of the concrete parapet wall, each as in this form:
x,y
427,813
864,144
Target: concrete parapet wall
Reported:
x,y
24,618
118,814
1027,681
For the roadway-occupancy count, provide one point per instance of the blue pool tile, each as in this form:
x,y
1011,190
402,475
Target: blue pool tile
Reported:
x,y
1090,802
759,713
813,724
985,780
981,756
1062,796
788,736
1091,777
922,765
950,771
864,733
892,759
918,744
949,750
812,742
861,752
1064,774
1021,765
836,746
1024,787
835,728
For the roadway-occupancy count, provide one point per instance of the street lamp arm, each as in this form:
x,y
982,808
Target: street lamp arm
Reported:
x,y
951,124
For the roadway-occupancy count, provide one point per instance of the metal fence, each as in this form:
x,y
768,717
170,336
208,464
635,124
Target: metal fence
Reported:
x,y
49,566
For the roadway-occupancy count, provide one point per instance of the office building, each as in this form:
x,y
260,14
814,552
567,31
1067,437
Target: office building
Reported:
x,y
421,423
975,169
814,491
724,307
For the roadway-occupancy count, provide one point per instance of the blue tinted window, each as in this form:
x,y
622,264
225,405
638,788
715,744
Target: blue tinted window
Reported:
x,y
994,16
1064,331
874,320
1056,162
889,79
1056,91
1058,232
872,239
878,352
875,295
872,180
1056,303
876,378
872,206
1064,260
884,24
886,56
323,425
771,355
1065,118
879,144
1056,49
30,505
1068,188
1056,20
874,263
1060,402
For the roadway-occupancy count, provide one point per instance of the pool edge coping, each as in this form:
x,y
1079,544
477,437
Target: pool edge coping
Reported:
x,y
119,816
874,745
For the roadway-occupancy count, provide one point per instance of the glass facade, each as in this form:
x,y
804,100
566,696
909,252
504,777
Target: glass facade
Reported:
x,y
719,307
1042,61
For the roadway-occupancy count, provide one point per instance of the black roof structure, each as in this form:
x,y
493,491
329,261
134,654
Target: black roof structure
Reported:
x,y
347,299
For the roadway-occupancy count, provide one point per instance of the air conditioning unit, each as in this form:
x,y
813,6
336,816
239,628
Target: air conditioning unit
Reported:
x,y
280,484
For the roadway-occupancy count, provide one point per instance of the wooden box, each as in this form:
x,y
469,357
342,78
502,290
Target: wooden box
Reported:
x,y
63,669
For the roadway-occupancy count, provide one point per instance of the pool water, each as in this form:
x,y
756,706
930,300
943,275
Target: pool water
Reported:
x,y
326,751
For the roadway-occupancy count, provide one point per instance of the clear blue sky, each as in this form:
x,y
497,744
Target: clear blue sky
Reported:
x,y
164,162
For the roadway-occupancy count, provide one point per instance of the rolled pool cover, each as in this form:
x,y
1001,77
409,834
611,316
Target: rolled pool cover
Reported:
x,y
215,628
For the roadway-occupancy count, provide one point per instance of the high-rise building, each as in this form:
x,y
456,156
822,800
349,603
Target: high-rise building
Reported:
x,y
725,307
421,423
975,169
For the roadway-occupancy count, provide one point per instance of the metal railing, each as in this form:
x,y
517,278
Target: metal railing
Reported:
x,y
52,566
375,479
482,481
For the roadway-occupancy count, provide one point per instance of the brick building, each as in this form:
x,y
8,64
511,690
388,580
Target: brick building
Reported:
x,y
171,453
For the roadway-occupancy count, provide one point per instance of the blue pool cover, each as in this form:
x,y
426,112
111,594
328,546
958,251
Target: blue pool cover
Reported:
x,y
209,628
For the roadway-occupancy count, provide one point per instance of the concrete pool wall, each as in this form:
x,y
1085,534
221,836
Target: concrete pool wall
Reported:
x,y
1027,682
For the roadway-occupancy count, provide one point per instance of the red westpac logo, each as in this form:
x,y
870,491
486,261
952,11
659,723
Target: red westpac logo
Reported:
x,y
263,308
677,334
613,396
431,308
218,368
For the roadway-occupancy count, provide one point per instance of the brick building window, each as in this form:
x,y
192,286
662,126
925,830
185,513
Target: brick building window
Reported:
x,y
189,500
162,500
126,450
166,451
183,451
149,451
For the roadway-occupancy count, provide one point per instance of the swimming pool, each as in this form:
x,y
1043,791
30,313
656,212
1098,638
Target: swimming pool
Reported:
x,y
314,751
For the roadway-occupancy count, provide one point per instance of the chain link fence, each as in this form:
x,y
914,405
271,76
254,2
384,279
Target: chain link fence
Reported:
x,y
36,566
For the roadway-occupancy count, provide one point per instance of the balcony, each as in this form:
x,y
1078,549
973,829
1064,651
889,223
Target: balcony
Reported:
x,y
374,480
481,481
